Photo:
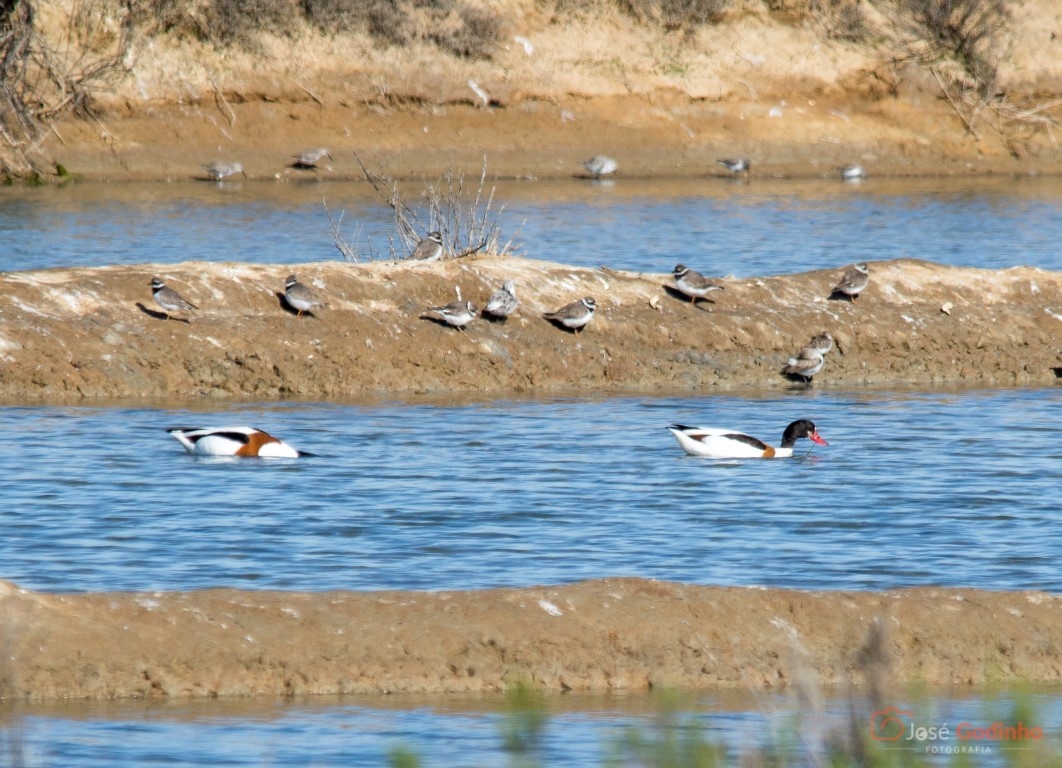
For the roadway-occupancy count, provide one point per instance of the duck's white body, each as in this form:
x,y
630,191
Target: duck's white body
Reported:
x,y
716,443
233,441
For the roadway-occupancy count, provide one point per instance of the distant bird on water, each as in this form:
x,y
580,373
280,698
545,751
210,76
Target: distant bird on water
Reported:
x,y
852,173
502,302
737,166
854,281
693,283
218,170
169,299
300,297
428,249
308,160
575,315
600,165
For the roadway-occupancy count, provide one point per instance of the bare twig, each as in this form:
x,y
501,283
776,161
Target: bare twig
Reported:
x,y
467,221
954,106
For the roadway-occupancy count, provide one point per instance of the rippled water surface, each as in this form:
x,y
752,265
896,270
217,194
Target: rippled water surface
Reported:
x,y
915,488
718,226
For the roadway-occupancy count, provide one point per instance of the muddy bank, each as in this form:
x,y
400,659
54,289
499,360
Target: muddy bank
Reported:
x,y
74,334
779,83
612,634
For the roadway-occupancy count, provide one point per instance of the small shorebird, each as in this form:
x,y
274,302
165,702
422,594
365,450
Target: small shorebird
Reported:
x,y
737,166
456,313
805,365
429,249
727,444
233,441
822,343
600,165
308,160
218,170
575,315
502,302
300,297
169,299
854,281
693,283
852,173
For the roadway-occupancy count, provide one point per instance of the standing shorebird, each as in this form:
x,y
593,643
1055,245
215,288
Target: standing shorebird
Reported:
x,y
804,366
428,249
854,281
502,302
457,313
218,170
169,299
737,166
300,297
309,159
575,315
600,165
693,283
822,343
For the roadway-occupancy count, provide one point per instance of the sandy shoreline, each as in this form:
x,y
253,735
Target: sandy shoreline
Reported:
x,y
96,334
610,634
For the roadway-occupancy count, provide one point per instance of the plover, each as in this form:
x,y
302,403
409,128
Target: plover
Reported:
x,y
805,365
300,297
429,249
502,302
823,343
219,170
737,166
600,165
456,313
308,160
575,315
727,444
854,281
169,299
233,441
693,283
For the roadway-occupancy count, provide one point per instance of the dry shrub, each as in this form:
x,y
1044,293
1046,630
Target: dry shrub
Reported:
x,y
457,28
239,20
836,19
676,14
48,70
470,32
966,30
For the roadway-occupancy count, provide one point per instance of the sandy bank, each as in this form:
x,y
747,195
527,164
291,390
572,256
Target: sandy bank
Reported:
x,y
72,334
563,82
611,634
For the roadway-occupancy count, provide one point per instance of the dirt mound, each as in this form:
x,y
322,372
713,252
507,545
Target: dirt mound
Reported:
x,y
610,634
72,334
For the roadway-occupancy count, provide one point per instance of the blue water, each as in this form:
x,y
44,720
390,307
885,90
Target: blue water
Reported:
x,y
915,488
456,731
716,226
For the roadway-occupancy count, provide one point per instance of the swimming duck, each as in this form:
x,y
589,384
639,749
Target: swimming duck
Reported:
x,y
727,444
233,441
